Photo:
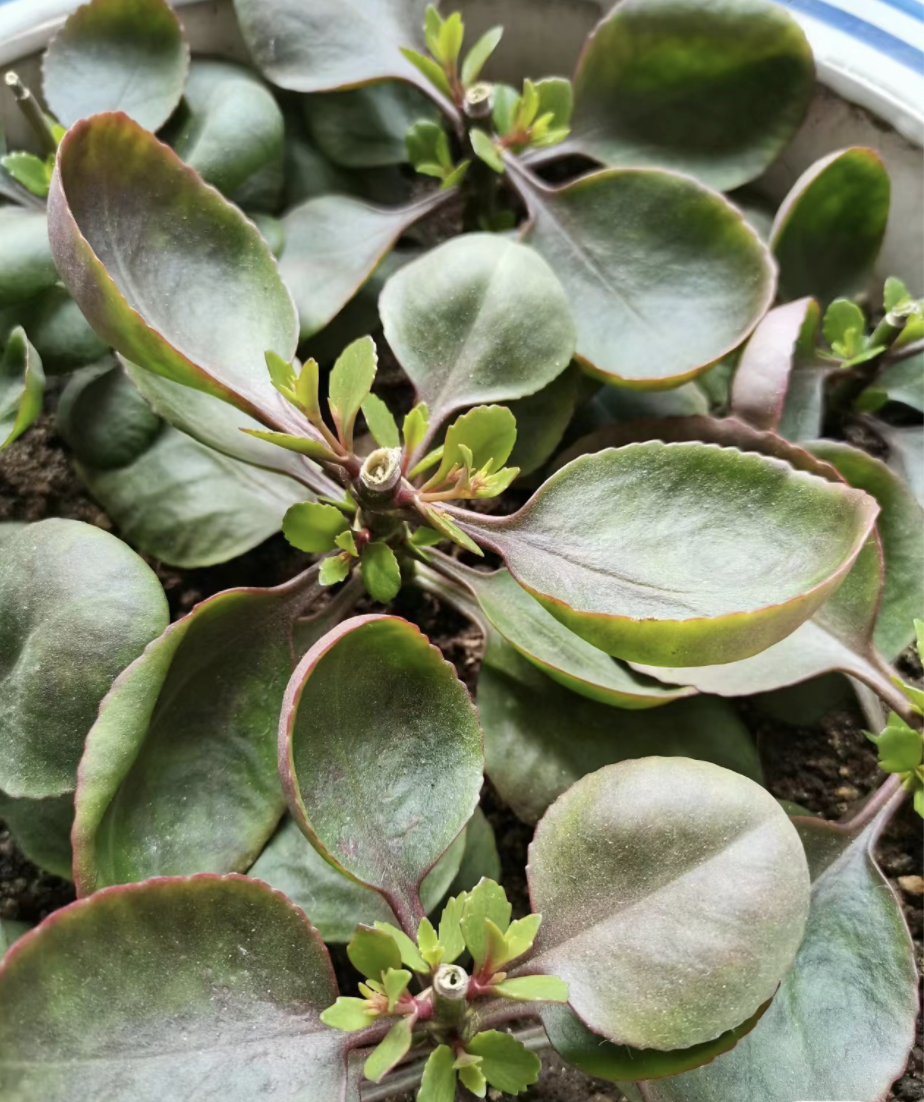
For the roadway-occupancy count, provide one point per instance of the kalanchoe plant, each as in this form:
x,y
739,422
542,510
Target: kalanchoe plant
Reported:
x,y
624,462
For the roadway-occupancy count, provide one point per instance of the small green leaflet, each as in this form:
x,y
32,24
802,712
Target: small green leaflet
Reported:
x,y
390,1051
313,527
533,989
351,380
505,1062
439,1077
380,422
373,952
380,571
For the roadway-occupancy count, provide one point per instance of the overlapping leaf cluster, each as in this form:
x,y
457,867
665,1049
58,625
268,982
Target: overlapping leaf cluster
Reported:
x,y
630,405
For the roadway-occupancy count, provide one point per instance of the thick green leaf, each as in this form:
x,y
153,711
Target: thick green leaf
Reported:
x,y
901,527
589,1052
168,272
838,637
103,419
22,387
761,379
372,952
392,1049
478,55
827,233
488,432
117,55
350,382
188,505
381,573
547,643
373,702
843,1021
900,382
331,45
656,551
542,419
478,319
32,172
221,427
26,266
335,904
906,456
716,91
42,829
487,902
58,331
366,127
534,989
179,773
313,527
94,1005
674,896
506,1063
333,245
439,1077
540,738
231,131
76,607
663,276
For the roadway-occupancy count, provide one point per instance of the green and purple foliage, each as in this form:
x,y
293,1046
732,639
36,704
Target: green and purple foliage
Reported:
x,y
614,465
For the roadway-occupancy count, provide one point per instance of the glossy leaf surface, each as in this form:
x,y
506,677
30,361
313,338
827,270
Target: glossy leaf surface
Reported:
x,y
188,505
374,705
565,657
335,904
179,773
331,45
761,380
843,1020
620,547
231,131
901,528
333,245
93,1004
76,607
663,276
675,958
117,55
478,319
828,230
169,273
540,738
714,91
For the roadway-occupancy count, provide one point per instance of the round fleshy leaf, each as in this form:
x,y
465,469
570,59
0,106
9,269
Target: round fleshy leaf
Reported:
x,y
906,456
547,643
588,1051
231,131
540,738
42,829
26,265
330,45
663,276
76,607
335,904
375,704
827,233
366,127
673,895
60,333
188,505
761,380
168,272
479,319
653,551
117,55
333,245
901,528
168,989
103,419
542,419
178,775
715,91
843,1020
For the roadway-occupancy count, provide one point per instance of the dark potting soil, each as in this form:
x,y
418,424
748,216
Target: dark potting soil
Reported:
x,y
825,767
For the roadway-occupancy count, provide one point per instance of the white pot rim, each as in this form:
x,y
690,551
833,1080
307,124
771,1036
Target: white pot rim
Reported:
x,y
845,64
